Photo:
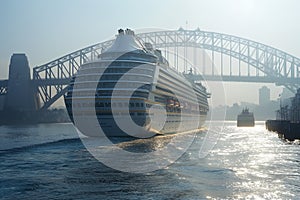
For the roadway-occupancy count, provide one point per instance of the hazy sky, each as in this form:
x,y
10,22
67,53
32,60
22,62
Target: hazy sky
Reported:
x,y
46,30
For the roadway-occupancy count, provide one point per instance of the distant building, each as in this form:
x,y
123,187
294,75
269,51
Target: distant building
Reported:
x,y
264,95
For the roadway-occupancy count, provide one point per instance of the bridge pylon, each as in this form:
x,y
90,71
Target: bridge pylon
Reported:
x,y
21,95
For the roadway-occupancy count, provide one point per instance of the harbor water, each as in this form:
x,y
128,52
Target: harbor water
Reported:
x,y
49,161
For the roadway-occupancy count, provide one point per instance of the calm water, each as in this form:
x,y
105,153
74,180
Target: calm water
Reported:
x,y
50,162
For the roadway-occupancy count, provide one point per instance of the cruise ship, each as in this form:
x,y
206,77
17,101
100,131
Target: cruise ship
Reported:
x,y
131,90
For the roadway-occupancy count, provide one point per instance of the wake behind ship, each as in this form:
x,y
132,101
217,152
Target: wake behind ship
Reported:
x,y
131,90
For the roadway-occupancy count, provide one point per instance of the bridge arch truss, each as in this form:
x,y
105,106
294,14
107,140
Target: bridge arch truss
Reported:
x,y
231,58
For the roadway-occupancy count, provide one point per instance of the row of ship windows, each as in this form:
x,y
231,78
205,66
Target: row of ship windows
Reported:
x,y
173,109
171,101
130,105
124,114
109,93
140,57
183,94
112,85
116,70
164,89
201,89
130,56
178,109
169,77
122,104
122,93
110,64
118,113
181,88
163,100
126,104
178,81
99,114
107,104
132,77
125,85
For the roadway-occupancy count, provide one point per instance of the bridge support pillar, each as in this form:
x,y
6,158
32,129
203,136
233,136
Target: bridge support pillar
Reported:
x,y
21,98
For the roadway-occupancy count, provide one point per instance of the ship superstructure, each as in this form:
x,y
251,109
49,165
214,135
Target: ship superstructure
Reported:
x,y
133,79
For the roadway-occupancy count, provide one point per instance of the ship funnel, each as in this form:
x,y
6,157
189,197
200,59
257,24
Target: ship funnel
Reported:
x,y
129,32
125,42
121,31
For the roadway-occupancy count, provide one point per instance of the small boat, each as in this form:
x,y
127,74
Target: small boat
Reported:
x,y
245,119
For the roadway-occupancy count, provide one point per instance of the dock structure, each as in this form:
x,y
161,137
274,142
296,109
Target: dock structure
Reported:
x,y
285,129
288,123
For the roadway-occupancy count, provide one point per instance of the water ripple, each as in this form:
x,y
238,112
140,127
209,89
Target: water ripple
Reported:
x,y
246,163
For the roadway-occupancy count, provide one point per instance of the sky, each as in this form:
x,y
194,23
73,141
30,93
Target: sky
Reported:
x,y
46,30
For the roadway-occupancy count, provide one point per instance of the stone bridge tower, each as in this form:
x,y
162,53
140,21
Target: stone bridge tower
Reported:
x,y
21,95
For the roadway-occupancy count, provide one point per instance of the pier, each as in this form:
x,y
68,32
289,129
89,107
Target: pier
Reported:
x,y
288,123
285,129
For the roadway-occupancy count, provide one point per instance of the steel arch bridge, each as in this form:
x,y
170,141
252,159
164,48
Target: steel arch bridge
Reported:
x,y
231,58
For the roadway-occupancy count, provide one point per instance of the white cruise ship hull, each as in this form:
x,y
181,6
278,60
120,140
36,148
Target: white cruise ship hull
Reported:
x,y
134,93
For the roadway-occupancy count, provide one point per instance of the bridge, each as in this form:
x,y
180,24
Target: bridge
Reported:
x,y
212,56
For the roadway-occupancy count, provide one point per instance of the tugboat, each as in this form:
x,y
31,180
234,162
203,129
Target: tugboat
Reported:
x,y
245,119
